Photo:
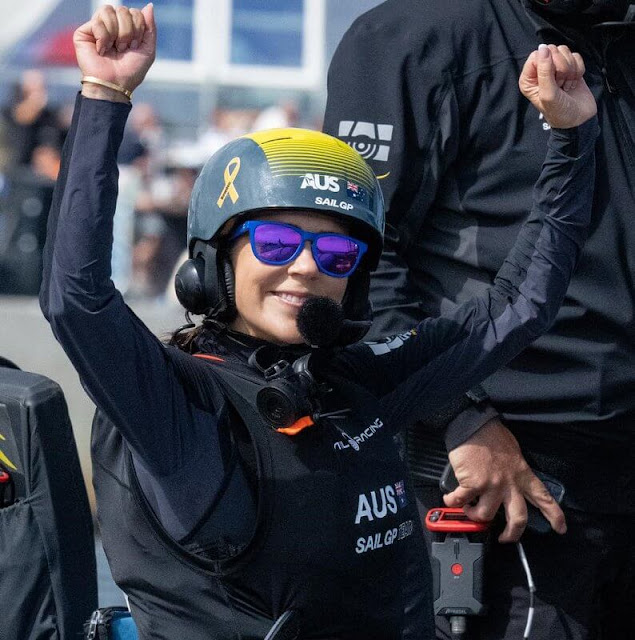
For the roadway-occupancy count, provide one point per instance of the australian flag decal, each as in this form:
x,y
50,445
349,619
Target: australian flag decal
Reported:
x,y
400,490
355,191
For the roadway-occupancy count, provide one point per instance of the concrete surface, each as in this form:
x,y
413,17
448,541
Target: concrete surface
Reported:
x,y
26,339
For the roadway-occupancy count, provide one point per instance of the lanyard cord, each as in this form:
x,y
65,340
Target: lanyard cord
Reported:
x,y
532,590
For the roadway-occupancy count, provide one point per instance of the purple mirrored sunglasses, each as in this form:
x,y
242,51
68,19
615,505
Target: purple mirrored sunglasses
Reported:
x,y
278,244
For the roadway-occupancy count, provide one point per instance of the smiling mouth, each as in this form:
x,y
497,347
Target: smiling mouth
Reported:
x,y
292,299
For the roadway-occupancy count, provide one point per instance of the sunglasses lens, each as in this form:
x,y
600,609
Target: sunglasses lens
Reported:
x,y
274,243
336,255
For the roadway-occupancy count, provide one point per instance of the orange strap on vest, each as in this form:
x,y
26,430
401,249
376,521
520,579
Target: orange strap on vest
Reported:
x,y
297,426
208,357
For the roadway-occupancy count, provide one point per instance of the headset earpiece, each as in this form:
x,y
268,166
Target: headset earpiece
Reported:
x,y
189,283
205,283
229,281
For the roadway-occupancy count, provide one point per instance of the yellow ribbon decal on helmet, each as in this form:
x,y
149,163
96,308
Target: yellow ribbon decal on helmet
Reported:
x,y
230,173
4,458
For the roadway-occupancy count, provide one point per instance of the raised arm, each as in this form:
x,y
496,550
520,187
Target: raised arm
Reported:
x,y
121,364
490,464
445,356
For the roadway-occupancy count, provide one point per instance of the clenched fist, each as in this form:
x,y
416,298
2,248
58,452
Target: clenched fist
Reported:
x,y
117,45
552,80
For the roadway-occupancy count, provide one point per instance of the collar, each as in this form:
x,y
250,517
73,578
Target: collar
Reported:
x,y
576,30
227,343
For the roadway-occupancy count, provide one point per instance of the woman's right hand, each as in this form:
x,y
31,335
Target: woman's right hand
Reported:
x,y
117,45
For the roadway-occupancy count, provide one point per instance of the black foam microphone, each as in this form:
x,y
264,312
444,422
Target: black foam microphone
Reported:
x,y
320,322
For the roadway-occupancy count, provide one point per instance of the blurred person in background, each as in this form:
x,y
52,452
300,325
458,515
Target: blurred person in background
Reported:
x,y
32,133
278,116
134,161
29,118
218,132
147,127
161,207
138,228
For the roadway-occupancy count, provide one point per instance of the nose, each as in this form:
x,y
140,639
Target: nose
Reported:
x,y
304,264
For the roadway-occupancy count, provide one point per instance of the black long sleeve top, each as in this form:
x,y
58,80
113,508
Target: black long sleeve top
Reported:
x,y
177,446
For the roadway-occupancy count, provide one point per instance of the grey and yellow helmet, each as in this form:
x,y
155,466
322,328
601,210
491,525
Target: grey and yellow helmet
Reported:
x,y
272,170
287,169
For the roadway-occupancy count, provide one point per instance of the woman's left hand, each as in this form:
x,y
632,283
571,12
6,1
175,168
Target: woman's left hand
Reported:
x,y
552,80
117,45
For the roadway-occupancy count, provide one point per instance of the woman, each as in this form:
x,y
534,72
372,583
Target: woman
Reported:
x,y
255,489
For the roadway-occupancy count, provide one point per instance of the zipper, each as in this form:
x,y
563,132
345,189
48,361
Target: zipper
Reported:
x,y
95,621
599,58
607,83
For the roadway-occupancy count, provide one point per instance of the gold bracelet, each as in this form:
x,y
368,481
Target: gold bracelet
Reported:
x,y
109,85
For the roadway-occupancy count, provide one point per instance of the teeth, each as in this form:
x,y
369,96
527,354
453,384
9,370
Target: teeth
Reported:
x,y
288,297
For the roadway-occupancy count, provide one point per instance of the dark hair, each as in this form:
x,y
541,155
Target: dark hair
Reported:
x,y
187,337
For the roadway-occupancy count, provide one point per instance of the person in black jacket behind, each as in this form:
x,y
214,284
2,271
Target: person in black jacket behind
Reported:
x,y
423,89
246,475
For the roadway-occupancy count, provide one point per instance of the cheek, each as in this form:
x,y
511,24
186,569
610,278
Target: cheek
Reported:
x,y
338,289
252,279
244,265
243,279
247,288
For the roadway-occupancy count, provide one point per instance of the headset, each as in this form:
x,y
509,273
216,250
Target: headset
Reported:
x,y
205,284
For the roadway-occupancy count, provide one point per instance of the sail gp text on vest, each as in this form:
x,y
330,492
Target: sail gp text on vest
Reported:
x,y
366,434
376,505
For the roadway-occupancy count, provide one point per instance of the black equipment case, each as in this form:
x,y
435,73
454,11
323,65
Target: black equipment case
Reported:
x,y
48,578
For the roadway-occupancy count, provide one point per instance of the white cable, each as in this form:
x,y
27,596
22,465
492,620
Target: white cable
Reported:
x,y
532,589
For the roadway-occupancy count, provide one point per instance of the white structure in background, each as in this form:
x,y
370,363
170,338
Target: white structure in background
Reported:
x,y
215,26
18,24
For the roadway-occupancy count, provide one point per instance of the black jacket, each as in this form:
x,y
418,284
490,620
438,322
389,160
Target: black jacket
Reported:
x,y
427,91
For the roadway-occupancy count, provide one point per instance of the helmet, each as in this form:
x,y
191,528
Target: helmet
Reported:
x,y
287,169
272,170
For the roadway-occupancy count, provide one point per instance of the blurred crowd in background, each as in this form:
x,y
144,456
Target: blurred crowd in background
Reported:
x,y
157,172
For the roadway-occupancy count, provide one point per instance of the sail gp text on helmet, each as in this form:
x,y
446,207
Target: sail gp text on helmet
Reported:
x,y
332,202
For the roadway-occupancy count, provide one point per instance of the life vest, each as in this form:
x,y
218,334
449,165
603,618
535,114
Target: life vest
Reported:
x,y
335,527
